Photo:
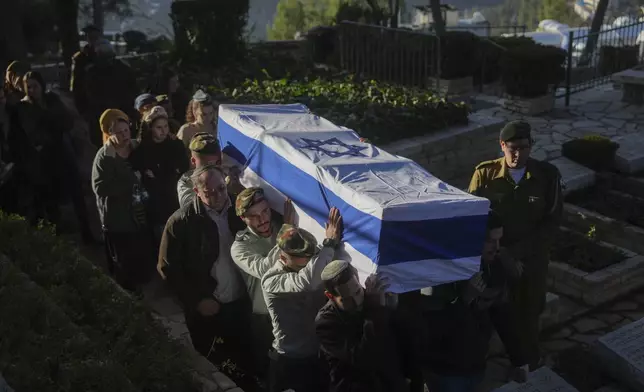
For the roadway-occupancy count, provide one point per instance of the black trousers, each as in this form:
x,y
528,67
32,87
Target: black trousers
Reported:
x,y
299,374
262,330
505,319
130,258
225,340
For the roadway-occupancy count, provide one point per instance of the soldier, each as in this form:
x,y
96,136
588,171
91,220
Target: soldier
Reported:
x,y
526,193
80,61
294,295
254,251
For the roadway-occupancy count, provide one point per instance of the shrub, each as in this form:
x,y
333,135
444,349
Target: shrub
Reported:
x,y
614,59
529,70
379,112
42,350
460,53
492,49
112,320
593,151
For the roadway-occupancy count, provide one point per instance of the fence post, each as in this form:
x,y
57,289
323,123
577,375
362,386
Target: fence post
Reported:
x,y
571,37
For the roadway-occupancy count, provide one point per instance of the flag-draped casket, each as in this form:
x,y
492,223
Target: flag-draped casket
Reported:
x,y
398,218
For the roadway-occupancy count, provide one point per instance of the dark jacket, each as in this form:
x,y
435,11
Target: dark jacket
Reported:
x,y
110,85
189,248
167,161
81,60
458,332
115,184
359,349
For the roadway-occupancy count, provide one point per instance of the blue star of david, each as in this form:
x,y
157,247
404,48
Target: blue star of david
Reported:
x,y
318,145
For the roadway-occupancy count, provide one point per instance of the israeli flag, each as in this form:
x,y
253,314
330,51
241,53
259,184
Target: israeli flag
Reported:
x,y
398,218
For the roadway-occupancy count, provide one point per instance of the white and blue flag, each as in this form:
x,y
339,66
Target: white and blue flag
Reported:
x,y
398,219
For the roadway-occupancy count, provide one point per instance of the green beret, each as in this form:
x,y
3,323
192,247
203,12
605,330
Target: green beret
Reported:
x,y
297,242
248,198
515,130
205,143
334,269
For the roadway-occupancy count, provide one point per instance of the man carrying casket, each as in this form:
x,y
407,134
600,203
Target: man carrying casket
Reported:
x,y
254,252
294,295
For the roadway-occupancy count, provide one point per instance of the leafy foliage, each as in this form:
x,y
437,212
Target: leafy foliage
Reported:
x,y
380,112
112,321
613,59
210,32
529,70
584,252
593,151
295,16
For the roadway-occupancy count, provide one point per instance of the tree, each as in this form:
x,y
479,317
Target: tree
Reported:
x,y
67,22
295,16
593,34
560,11
12,39
437,17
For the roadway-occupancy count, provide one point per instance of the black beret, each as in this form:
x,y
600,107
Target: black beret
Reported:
x,y
515,130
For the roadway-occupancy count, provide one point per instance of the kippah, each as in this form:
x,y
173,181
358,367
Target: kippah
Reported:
x,y
334,269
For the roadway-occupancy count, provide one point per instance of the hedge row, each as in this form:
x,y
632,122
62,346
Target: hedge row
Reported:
x,y
42,350
113,321
380,112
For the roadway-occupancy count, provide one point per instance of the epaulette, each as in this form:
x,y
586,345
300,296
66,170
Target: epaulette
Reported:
x,y
487,163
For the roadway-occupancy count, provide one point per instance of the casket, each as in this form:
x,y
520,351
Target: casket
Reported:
x,y
398,219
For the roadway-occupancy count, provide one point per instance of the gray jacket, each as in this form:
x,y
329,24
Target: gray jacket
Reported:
x,y
255,255
185,190
293,300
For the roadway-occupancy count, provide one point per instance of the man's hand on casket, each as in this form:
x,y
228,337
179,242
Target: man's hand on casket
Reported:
x,y
289,212
334,225
375,288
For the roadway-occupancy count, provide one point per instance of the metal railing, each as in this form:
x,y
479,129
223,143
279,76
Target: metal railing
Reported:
x,y
487,30
391,55
616,49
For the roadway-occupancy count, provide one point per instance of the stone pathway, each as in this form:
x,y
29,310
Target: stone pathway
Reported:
x,y
594,112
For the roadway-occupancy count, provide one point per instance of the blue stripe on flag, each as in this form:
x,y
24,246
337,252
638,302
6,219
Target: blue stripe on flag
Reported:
x,y
398,241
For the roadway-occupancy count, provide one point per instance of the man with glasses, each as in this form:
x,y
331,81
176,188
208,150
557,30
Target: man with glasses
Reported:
x,y
195,258
526,193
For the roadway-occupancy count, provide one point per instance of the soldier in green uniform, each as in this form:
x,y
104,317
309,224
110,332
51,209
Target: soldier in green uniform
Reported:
x,y
526,193
80,61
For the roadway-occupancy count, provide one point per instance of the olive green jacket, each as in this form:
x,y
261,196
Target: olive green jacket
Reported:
x,y
530,210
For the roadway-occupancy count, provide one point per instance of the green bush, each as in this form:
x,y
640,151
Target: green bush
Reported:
x,y
614,59
42,350
529,70
379,112
460,54
111,319
210,32
593,151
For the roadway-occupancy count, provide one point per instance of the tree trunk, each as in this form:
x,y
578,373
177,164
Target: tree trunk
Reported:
x,y
67,21
395,13
12,39
98,17
593,34
437,16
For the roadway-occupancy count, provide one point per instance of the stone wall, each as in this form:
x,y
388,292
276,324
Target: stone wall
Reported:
x,y
452,154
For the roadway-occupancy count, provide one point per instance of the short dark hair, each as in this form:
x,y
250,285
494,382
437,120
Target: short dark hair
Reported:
x,y
494,220
331,285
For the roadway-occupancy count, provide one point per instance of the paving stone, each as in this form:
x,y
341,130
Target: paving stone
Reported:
x,y
635,316
4,386
585,339
630,155
541,380
574,175
562,333
611,388
558,345
588,325
609,318
621,354
223,381
624,305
